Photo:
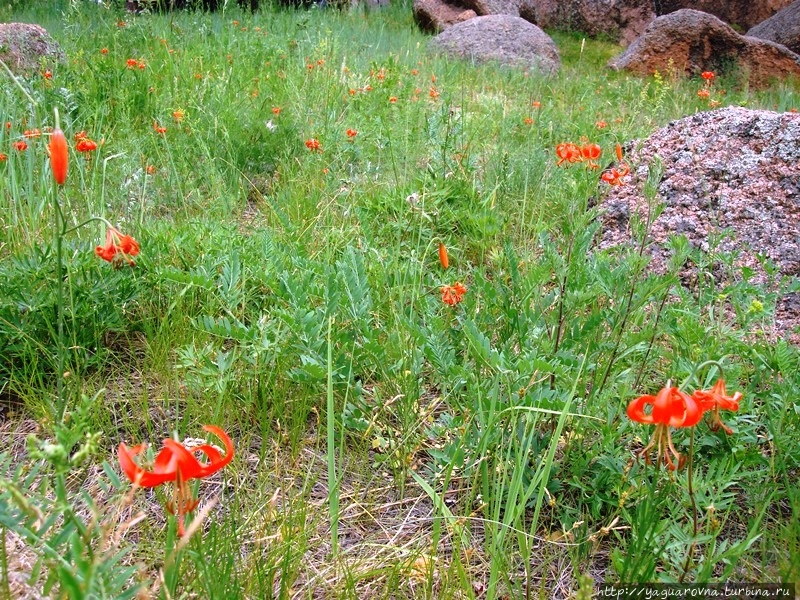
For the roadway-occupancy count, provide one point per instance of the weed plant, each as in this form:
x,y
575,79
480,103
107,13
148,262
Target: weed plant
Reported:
x,y
289,176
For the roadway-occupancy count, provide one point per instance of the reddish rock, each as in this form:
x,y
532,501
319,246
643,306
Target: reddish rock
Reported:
x,y
731,184
689,41
504,39
621,20
782,28
742,14
23,47
434,16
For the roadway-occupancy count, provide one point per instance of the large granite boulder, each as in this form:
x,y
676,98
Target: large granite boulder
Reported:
x,y
24,47
730,171
782,28
621,20
434,16
742,14
504,39
691,41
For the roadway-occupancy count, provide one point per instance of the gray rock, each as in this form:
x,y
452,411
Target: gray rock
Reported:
x,y
782,28
505,39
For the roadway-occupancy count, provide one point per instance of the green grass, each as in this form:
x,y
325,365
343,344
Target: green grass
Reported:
x,y
293,298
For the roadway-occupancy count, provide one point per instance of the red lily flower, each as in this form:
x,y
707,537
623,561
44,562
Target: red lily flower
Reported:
x,y
715,399
707,75
175,462
86,145
453,294
669,408
117,243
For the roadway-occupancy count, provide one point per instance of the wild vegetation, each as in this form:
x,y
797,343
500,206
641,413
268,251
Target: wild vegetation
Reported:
x,y
365,266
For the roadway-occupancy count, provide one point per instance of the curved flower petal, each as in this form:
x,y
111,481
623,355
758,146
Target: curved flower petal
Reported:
x,y
135,473
217,461
185,461
636,409
662,406
686,412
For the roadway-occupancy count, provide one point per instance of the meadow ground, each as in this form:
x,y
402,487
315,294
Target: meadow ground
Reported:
x,y
364,264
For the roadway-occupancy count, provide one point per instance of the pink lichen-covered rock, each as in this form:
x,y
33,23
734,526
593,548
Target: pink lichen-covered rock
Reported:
x,y
731,170
690,41
25,47
621,20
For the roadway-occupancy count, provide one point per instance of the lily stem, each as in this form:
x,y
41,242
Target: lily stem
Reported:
x,y
690,488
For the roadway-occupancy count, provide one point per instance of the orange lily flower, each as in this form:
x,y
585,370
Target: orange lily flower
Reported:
x,y
443,256
715,399
669,408
568,152
614,176
590,153
175,462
